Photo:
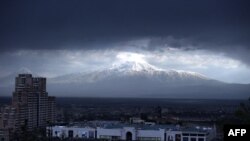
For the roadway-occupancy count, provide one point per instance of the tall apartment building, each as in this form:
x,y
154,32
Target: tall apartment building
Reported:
x,y
31,107
32,102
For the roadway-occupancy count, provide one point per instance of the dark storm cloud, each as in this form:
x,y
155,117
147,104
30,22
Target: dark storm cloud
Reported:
x,y
216,25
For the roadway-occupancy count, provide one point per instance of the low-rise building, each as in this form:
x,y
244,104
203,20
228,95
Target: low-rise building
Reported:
x,y
72,132
140,132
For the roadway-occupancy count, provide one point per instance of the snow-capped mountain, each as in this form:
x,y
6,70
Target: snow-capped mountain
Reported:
x,y
135,79
132,70
140,79
134,66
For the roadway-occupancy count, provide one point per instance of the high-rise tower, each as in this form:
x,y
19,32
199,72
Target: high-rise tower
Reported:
x,y
31,100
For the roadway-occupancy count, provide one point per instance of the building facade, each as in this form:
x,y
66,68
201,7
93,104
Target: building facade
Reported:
x,y
7,122
34,107
51,113
133,132
31,107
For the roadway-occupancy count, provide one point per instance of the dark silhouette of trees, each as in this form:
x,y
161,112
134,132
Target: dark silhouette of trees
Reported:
x,y
243,112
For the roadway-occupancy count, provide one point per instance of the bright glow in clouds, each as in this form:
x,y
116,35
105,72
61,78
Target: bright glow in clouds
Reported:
x,y
130,57
194,59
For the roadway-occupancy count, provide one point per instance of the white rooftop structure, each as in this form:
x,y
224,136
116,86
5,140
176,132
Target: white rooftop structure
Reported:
x,y
123,131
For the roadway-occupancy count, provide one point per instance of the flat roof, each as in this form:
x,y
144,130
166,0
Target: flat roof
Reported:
x,y
119,125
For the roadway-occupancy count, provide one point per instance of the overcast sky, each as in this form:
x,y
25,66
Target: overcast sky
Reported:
x,y
56,37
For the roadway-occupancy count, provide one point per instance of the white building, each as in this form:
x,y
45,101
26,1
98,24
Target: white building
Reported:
x,y
135,132
73,132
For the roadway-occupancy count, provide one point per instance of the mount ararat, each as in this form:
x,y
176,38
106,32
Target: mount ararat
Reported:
x,y
136,79
140,79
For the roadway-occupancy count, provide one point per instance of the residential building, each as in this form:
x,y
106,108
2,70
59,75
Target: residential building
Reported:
x,y
31,107
31,100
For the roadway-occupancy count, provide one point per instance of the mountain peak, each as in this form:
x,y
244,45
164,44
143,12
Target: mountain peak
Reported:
x,y
23,70
142,67
127,61
136,66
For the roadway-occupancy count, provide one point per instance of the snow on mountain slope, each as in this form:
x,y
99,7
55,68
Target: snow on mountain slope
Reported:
x,y
140,79
131,69
135,78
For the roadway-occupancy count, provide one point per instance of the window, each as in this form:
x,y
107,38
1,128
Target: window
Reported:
x,y
193,134
201,139
105,137
23,81
185,138
148,138
5,123
178,137
115,137
84,135
193,139
91,134
71,133
170,138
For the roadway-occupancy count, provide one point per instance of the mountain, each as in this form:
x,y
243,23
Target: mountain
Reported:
x,y
135,79
140,79
10,78
7,82
133,70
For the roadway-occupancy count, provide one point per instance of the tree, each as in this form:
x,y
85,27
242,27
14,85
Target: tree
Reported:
x,y
243,112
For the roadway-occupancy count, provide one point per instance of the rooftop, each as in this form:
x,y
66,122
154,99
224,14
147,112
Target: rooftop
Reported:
x,y
117,125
